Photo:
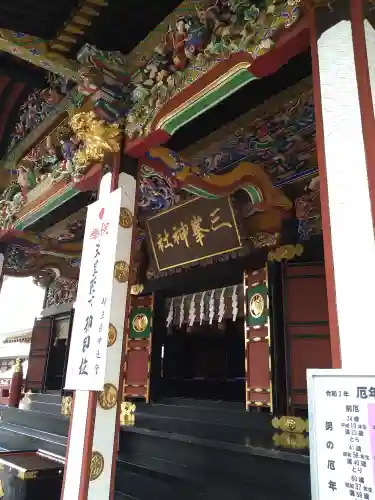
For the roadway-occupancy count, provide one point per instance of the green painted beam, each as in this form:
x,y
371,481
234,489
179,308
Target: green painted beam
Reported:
x,y
209,100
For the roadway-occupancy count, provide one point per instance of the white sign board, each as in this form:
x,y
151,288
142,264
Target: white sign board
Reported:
x,y
342,435
88,346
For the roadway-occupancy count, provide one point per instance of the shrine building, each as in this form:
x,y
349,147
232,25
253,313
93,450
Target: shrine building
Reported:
x,y
191,184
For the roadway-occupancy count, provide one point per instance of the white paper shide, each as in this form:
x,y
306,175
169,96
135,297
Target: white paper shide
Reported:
x,y
88,347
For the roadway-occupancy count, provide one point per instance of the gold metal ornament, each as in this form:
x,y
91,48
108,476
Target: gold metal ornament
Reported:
x,y
97,136
127,415
290,424
107,398
18,366
291,440
256,305
66,406
96,465
126,218
121,271
137,289
285,252
112,335
140,323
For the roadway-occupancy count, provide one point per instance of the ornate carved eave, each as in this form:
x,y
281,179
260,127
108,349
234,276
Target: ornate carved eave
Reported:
x,y
29,254
66,105
214,73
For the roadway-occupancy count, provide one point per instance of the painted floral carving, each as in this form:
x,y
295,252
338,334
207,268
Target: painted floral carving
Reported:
x,y
38,105
191,46
196,43
157,191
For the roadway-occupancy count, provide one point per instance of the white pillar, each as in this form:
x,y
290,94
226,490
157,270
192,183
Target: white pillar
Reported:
x,y
91,456
344,155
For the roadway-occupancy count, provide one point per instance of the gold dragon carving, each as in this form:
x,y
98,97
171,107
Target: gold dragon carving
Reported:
x,y
98,137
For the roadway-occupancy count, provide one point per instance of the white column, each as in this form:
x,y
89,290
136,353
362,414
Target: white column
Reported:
x,y
105,419
349,201
94,429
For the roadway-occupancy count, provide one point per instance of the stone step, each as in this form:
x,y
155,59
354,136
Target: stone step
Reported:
x,y
209,412
208,460
43,407
54,424
48,397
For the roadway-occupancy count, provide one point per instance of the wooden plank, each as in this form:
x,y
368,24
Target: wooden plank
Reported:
x,y
39,352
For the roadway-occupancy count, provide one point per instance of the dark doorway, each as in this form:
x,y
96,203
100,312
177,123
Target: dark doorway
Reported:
x,y
205,362
56,363
58,353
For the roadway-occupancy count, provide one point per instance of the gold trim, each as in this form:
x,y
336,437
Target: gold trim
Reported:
x,y
81,20
290,440
121,271
201,258
107,398
96,465
112,335
285,252
64,37
71,28
126,218
289,424
27,474
2,494
60,47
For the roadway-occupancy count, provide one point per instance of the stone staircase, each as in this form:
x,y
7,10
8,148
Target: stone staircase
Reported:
x,y
182,449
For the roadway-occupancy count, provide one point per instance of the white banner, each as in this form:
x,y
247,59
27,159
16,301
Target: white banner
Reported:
x,y
342,435
88,346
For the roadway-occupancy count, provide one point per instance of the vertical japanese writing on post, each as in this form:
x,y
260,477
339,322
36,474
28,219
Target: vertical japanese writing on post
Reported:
x,y
87,356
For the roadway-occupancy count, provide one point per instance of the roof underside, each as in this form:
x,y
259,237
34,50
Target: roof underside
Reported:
x,y
41,18
121,24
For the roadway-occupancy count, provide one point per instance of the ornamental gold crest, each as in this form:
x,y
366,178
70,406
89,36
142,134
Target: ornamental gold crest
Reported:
x,y
96,465
112,335
126,218
257,305
107,398
140,323
122,271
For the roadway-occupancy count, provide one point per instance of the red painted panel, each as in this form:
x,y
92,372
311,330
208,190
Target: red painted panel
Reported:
x,y
137,367
299,399
135,392
306,300
258,365
307,330
261,397
308,353
258,332
310,330
310,270
137,344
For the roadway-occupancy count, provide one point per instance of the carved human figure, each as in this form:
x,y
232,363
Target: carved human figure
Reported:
x,y
26,178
